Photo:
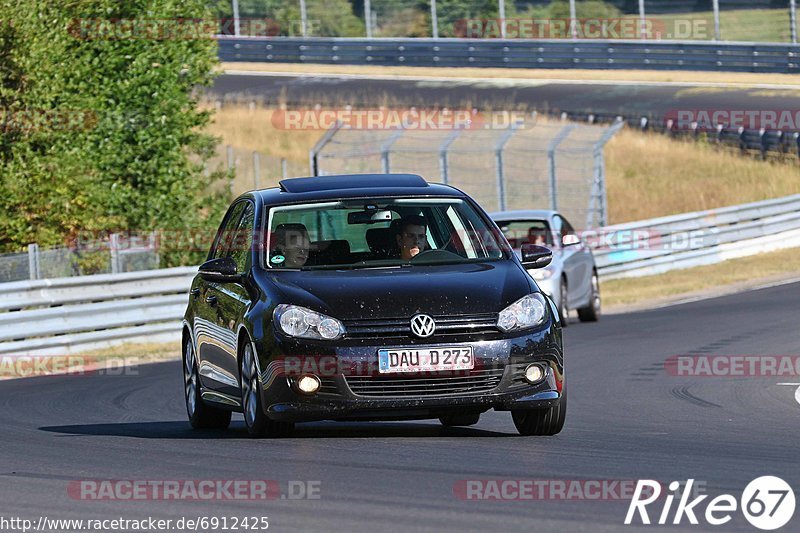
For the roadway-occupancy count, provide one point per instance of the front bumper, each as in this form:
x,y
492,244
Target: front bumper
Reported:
x,y
346,393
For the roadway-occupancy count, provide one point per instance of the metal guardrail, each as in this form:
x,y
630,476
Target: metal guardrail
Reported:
x,y
65,315
517,53
56,316
693,239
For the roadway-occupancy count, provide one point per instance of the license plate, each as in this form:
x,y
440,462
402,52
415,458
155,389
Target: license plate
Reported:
x,y
425,359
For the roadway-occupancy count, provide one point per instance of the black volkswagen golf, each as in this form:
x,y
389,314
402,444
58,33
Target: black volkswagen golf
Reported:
x,y
369,297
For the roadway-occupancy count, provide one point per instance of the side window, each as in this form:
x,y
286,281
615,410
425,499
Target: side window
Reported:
x,y
226,230
242,243
567,233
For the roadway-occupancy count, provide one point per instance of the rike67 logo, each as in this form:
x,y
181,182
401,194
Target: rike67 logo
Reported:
x,y
767,503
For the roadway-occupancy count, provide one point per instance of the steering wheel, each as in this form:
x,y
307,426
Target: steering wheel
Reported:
x,y
436,255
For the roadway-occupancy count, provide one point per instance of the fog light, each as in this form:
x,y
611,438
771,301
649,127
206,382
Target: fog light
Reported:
x,y
307,384
534,374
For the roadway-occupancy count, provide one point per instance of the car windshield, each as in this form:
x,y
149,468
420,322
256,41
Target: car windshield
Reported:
x,y
380,232
519,232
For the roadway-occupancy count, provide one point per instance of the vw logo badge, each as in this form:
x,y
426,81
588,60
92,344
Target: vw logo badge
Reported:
x,y
422,326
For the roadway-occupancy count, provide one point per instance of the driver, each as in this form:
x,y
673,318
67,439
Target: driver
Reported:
x,y
411,239
291,246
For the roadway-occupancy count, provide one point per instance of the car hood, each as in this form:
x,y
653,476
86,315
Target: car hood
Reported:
x,y
467,288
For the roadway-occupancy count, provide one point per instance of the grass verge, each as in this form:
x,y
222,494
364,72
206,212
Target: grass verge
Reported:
x,y
746,79
735,274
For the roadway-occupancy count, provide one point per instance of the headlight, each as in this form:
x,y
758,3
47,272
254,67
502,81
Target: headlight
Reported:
x,y
297,321
526,312
541,274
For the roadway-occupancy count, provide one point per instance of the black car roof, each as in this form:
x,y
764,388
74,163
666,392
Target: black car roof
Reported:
x,y
319,188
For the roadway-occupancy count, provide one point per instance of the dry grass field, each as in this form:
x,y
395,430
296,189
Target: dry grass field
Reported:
x,y
648,175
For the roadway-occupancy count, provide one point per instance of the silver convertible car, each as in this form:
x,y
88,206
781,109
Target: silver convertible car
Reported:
x,y
571,278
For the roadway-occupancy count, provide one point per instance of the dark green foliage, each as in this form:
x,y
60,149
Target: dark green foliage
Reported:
x,y
104,133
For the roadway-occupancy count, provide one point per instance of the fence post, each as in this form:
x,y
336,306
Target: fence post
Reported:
x,y
434,21
33,262
256,169
304,18
114,242
717,33
368,18
385,147
231,163
236,26
793,19
642,21
325,139
498,158
600,170
444,164
573,23
551,162
502,12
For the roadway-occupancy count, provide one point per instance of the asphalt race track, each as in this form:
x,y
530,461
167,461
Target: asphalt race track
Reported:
x,y
628,419
610,98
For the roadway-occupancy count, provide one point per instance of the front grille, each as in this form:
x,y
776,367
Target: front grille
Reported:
x,y
328,386
445,325
474,382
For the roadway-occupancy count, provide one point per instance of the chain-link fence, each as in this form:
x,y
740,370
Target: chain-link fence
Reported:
x,y
527,165
114,254
721,20
250,170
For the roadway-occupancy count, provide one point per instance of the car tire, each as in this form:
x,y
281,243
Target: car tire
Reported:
x,y
591,313
256,421
466,419
542,422
201,415
563,307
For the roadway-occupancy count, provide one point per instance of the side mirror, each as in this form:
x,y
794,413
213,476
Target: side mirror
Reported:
x,y
570,239
535,256
221,270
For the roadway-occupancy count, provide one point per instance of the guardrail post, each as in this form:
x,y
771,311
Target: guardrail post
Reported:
x,y
717,34
793,19
284,169
34,271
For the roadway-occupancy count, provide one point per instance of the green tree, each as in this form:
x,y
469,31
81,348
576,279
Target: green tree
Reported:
x,y
109,135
